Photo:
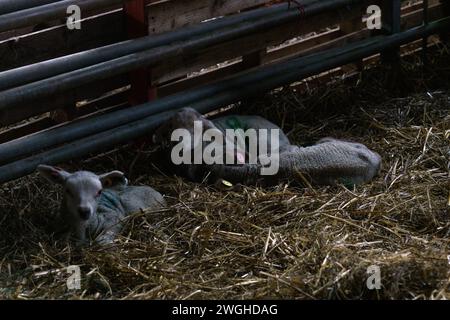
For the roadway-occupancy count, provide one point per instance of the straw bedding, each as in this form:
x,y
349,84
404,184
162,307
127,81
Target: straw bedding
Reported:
x,y
281,242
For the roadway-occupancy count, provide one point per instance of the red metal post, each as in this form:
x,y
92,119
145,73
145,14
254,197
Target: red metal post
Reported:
x,y
137,26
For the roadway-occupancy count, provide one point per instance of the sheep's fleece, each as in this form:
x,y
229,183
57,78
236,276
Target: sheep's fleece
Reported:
x,y
330,161
93,207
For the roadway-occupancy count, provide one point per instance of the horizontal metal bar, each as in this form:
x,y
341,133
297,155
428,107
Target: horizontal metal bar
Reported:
x,y
48,12
47,87
7,6
39,141
224,92
41,70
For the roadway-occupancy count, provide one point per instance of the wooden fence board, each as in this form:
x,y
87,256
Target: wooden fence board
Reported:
x,y
309,45
175,68
178,68
171,15
42,45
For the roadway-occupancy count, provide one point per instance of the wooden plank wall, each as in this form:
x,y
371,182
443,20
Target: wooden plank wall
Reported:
x,y
173,75
170,15
37,43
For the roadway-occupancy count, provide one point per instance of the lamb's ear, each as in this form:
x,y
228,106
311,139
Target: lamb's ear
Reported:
x,y
111,178
53,174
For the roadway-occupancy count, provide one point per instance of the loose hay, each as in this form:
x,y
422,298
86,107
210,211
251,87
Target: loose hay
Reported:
x,y
255,243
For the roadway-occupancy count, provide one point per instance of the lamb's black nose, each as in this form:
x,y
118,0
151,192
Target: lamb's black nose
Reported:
x,y
84,213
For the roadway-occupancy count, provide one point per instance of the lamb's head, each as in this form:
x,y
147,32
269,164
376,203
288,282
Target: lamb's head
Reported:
x,y
182,119
82,189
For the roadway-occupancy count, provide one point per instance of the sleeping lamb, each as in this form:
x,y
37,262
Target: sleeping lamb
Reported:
x,y
330,161
93,206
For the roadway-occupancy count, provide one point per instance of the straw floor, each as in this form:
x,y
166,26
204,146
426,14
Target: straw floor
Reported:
x,y
282,242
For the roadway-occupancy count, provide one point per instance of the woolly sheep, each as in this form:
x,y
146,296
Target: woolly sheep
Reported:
x,y
330,161
94,206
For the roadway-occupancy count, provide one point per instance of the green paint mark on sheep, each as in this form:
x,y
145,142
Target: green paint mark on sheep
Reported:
x,y
235,123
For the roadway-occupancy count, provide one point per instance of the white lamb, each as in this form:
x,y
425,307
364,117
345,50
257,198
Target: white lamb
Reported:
x,y
94,206
330,161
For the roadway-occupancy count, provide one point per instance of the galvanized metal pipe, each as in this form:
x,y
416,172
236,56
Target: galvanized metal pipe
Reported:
x,y
249,84
44,88
48,12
